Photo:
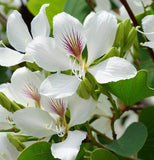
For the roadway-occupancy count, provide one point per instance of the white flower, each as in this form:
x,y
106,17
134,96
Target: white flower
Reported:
x,y
70,38
19,36
39,123
148,28
24,87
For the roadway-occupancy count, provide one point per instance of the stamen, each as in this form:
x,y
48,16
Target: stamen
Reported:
x,y
58,128
57,106
73,43
78,70
31,91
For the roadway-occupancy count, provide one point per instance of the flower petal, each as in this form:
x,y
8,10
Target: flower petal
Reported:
x,y
103,125
7,150
130,117
149,44
100,32
24,87
80,109
9,57
33,122
104,106
47,55
40,25
4,115
17,31
148,23
112,70
59,86
68,32
102,5
68,149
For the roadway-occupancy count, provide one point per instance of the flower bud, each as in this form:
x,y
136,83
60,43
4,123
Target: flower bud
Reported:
x,y
119,34
86,86
7,104
19,146
130,39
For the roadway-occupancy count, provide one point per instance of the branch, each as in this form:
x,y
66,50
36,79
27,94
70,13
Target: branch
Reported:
x,y
129,11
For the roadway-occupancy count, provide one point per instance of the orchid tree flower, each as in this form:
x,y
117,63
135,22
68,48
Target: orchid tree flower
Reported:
x,y
147,24
64,51
7,150
44,123
19,36
24,87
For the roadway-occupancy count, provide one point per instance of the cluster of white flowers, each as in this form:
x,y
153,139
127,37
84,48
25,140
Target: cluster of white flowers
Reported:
x,y
46,99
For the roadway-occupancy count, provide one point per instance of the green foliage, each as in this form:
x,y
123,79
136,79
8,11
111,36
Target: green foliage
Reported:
x,y
100,154
146,116
37,151
131,142
131,90
78,9
56,6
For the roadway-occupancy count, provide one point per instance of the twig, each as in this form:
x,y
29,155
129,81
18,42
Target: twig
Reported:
x,y
90,4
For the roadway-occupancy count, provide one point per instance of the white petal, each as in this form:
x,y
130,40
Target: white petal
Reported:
x,y
23,84
120,127
149,44
148,23
59,86
17,32
68,32
112,70
33,122
100,33
103,125
80,109
102,5
47,55
68,149
104,106
4,115
10,57
7,150
40,25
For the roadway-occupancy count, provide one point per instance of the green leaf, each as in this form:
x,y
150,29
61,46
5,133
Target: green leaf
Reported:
x,y
131,142
131,90
56,6
37,151
78,9
146,116
99,154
